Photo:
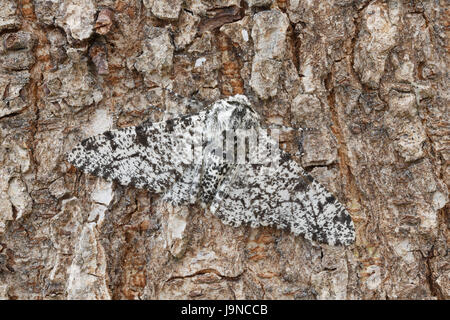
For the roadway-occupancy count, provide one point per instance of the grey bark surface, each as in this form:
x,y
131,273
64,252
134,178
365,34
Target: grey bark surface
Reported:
x,y
370,77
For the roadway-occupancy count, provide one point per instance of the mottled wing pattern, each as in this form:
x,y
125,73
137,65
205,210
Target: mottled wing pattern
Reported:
x,y
153,156
186,188
284,196
183,159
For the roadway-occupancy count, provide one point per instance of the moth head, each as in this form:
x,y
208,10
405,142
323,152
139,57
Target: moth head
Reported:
x,y
234,113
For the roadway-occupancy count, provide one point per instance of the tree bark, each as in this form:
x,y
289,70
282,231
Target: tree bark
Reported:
x,y
370,77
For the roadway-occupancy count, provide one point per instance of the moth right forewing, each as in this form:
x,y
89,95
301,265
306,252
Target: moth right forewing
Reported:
x,y
283,196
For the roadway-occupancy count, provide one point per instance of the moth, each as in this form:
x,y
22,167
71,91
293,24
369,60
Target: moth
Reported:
x,y
223,159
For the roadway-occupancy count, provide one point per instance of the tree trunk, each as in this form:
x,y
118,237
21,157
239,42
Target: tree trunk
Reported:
x,y
370,77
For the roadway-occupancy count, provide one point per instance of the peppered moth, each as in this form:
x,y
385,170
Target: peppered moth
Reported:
x,y
224,159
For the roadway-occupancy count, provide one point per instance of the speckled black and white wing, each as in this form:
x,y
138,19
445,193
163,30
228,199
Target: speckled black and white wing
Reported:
x,y
283,196
153,156
183,158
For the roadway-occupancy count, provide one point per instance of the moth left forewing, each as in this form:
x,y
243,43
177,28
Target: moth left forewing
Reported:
x,y
186,189
151,156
